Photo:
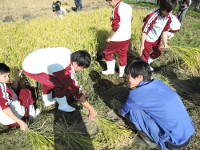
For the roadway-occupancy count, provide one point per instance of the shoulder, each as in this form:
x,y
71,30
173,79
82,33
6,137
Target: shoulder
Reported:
x,y
152,16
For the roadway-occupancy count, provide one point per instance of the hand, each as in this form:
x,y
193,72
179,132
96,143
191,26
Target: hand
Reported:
x,y
92,114
23,126
165,46
141,50
108,39
20,73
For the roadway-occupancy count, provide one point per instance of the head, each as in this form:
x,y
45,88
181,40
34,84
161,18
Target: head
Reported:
x,y
166,6
80,59
138,71
56,6
112,3
4,73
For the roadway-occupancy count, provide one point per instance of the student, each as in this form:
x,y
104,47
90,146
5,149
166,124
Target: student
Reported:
x,y
78,4
119,38
155,109
58,9
156,26
12,107
183,7
55,69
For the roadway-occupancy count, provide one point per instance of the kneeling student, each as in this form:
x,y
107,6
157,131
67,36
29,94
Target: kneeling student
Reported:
x,y
12,107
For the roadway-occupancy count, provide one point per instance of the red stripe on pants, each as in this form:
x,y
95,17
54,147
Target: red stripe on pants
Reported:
x,y
121,48
44,79
148,46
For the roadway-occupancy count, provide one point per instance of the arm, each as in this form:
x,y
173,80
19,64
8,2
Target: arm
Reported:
x,y
115,23
164,39
110,36
9,113
164,35
142,42
90,108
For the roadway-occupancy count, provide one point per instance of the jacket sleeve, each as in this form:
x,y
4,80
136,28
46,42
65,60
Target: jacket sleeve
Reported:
x,y
167,26
148,22
115,20
126,107
4,96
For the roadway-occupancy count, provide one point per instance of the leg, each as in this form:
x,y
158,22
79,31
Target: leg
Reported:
x,y
48,85
156,50
146,124
26,99
146,51
122,54
108,52
17,109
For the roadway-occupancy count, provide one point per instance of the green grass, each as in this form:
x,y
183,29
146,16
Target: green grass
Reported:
x,y
89,30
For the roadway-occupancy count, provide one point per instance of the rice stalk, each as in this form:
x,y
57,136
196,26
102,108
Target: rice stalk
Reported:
x,y
188,57
112,135
40,141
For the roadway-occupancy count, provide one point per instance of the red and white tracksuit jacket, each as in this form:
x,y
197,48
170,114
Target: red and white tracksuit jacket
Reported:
x,y
52,68
154,25
121,24
18,105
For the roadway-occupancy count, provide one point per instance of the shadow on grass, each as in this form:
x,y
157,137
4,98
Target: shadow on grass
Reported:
x,y
187,89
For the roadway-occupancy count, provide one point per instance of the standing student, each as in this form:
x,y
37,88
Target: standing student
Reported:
x,y
156,26
55,69
183,8
156,110
119,38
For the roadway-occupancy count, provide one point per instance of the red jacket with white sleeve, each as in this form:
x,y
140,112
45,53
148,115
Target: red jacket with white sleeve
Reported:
x,y
121,22
6,95
155,24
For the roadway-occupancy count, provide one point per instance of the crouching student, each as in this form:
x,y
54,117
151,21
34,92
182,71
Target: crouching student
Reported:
x,y
12,107
156,26
55,69
156,110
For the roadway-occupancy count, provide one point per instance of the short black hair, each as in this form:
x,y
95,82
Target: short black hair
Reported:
x,y
82,58
4,68
139,67
168,5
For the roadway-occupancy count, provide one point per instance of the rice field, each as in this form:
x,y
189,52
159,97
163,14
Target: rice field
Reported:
x,y
178,67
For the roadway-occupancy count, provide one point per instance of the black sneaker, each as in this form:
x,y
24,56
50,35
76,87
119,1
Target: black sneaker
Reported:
x,y
150,144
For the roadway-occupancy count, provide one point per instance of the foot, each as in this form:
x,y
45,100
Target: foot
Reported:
x,y
37,112
151,68
149,142
66,108
106,72
49,103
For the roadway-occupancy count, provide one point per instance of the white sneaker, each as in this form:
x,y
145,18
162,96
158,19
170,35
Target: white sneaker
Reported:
x,y
151,68
121,71
33,112
47,99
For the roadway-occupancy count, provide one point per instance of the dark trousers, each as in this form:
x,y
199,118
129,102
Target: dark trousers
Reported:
x,y
78,4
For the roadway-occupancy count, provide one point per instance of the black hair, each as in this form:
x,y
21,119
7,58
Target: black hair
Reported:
x,y
168,5
139,67
56,6
108,0
82,58
4,68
